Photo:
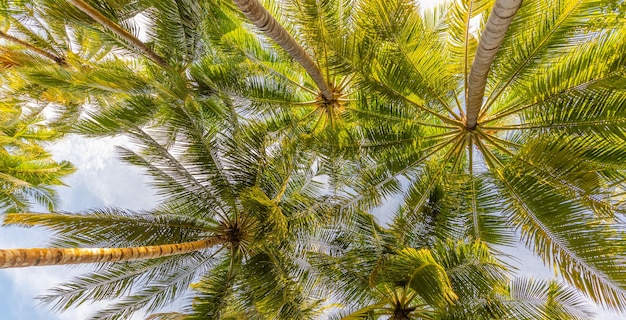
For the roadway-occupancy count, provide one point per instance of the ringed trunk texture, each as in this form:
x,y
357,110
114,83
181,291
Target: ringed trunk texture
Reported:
x,y
499,21
119,31
19,258
262,19
58,60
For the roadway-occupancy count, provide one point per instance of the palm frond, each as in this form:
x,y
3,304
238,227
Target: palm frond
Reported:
x,y
159,292
530,298
566,236
114,227
110,281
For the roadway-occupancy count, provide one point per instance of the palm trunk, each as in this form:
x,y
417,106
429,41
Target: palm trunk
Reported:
x,y
263,20
58,60
18,258
119,31
401,313
499,21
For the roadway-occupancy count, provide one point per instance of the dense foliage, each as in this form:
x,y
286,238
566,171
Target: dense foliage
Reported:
x,y
280,127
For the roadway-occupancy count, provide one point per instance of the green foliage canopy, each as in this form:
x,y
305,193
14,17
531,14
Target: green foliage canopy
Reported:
x,y
235,132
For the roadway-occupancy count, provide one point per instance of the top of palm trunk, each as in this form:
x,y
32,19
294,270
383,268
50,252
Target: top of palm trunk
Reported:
x,y
263,20
499,21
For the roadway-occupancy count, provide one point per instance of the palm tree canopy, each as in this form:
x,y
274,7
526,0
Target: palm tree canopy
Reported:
x,y
255,202
28,173
282,124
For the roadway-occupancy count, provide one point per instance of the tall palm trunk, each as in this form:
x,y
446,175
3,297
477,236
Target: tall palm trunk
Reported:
x,y
263,20
499,21
18,258
57,59
119,31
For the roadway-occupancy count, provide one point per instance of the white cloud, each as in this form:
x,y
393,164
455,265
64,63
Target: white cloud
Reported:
x,y
429,4
101,180
87,153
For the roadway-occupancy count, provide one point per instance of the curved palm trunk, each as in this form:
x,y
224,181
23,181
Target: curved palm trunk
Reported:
x,y
18,258
263,20
119,31
499,21
59,60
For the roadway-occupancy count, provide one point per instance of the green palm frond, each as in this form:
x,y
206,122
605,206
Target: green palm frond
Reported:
x,y
554,26
27,171
177,30
159,291
473,270
350,259
214,292
565,236
114,227
246,139
462,43
406,48
418,270
110,282
530,298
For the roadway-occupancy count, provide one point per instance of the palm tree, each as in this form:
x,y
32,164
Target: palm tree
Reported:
x,y
310,94
544,158
27,171
234,208
491,120
416,128
379,273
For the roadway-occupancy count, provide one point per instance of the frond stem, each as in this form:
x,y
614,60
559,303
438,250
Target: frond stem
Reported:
x,y
466,47
434,179
495,143
434,137
556,125
496,140
443,118
393,118
489,157
119,31
58,60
